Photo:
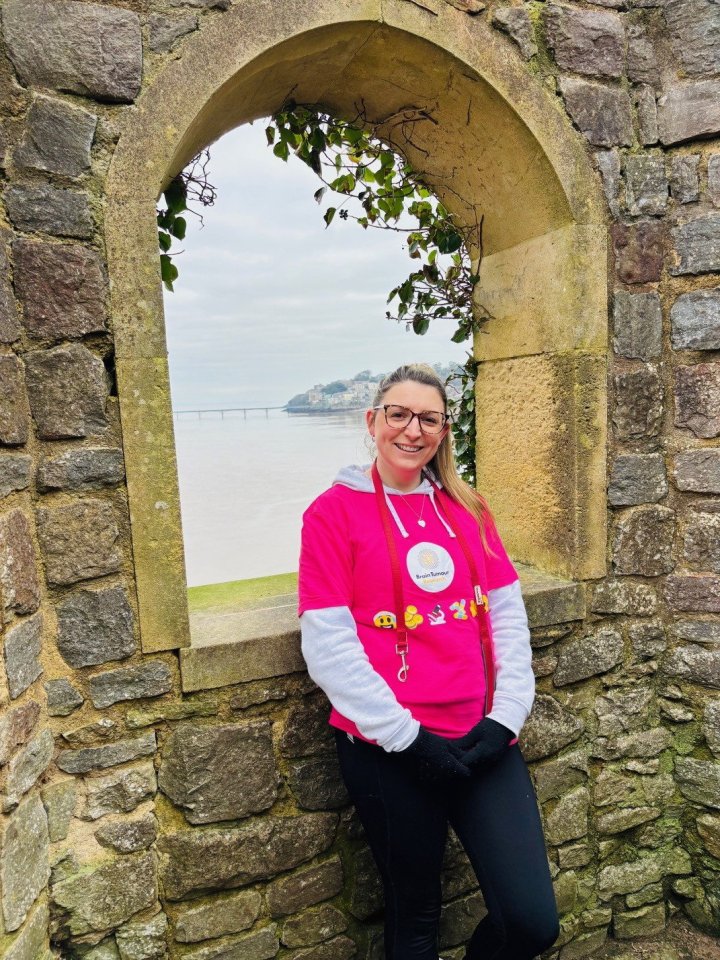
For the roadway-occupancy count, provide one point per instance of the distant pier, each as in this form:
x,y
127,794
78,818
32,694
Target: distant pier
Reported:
x,y
223,410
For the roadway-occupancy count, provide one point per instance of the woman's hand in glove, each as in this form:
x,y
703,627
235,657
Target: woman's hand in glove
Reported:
x,y
435,758
485,743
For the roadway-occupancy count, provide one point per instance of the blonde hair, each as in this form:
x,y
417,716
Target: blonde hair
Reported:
x,y
443,463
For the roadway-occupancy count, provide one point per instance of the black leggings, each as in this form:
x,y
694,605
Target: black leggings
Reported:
x,y
495,817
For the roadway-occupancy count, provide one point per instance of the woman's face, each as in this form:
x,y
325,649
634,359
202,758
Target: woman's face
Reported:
x,y
403,452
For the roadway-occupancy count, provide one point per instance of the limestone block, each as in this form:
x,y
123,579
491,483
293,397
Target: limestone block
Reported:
x,y
586,41
689,111
14,409
694,592
695,664
16,725
128,836
149,679
87,468
317,783
709,829
262,945
696,631
95,626
87,734
637,478
699,780
624,819
684,180
165,31
642,58
640,923
305,887
230,857
588,656
120,791
643,540
313,926
79,541
62,697
696,245
306,732
557,777
569,819
620,711
646,185
515,22
31,941
602,114
643,743
19,584
23,644
647,640
14,472
26,768
637,325
59,800
633,876
366,898
694,31
87,48
9,324
232,913
695,319
24,867
650,894
548,729
697,398
57,138
701,542
105,896
109,755
48,209
68,391
639,250
619,596
143,940
201,767
62,288
711,726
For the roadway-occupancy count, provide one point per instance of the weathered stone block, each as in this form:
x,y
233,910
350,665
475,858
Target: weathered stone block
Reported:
x,y
697,398
619,711
104,897
313,926
699,780
640,923
559,776
143,940
366,899
638,406
643,540
586,41
16,725
14,409
650,894
78,541
515,22
696,245
646,107
646,186
306,731
619,596
48,209
233,913
647,639
569,819
96,758
9,323
602,114
619,820
24,867
62,697
709,829
194,860
120,791
684,179
262,945
317,784
694,32
68,390
87,468
689,111
26,768
548,729
639,251
638,325
19,584
695,664
305,887
23,644
14,472
637,478
201,767
642,59
608,164
59,800
583,946
693,592
57,138
629,877
128,836
30,942
165,31
698,471
87,48
62,288
695,319
711,726
701,542
88,733
713,178
95,626
642,743
150,679
185,710
589,656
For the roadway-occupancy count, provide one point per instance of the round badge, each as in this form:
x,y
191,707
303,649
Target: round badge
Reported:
x,y
430,566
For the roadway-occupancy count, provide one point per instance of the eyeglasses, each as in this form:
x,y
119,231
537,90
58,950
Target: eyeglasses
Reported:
x,y
398,417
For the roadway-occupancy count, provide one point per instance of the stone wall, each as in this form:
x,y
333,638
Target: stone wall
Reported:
x,y
140,822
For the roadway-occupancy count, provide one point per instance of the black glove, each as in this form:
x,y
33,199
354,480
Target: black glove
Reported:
x,y
484,744
434,758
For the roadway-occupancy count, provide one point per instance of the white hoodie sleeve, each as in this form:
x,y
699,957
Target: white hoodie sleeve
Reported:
x,y
515,680
337,662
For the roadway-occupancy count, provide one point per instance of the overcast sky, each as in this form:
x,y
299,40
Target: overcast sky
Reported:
x,y
269,302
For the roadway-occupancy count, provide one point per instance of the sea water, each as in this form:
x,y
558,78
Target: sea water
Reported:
x,y
245,482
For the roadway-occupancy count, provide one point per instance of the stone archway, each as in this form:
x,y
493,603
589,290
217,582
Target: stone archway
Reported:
x,y
496,144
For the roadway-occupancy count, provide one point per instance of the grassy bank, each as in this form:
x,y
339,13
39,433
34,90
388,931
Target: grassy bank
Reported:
x,y
239,593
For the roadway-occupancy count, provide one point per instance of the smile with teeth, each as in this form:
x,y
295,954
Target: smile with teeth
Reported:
x,y
408,449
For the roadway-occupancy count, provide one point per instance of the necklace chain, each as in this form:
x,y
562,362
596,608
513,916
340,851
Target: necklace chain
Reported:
x,y
418,516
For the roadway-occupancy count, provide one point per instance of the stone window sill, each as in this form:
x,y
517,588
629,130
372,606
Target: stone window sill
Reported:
x,y
253,644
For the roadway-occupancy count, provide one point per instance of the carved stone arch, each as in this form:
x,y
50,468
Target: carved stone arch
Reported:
x,y
495,143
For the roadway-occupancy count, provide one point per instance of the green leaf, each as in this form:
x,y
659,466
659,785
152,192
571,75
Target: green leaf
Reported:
x,y
328,215
319,194
281,150
270,134
421,325
168,271
179,228
165,240
175,196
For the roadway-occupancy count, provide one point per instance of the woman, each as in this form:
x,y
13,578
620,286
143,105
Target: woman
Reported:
x,y
414,626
